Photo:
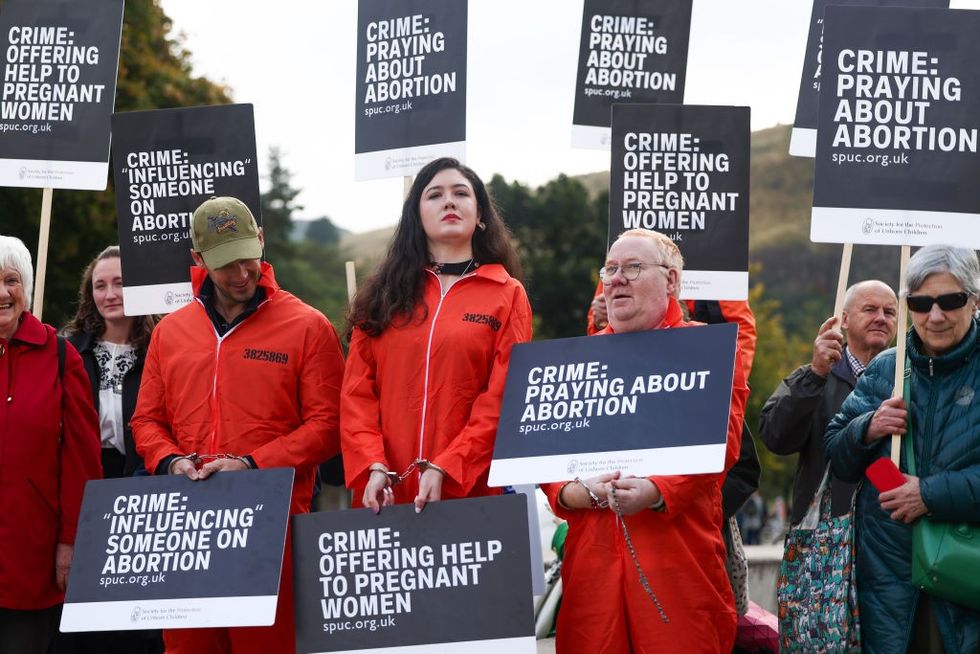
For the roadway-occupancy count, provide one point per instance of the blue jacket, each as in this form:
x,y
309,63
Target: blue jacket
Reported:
x,y
945,420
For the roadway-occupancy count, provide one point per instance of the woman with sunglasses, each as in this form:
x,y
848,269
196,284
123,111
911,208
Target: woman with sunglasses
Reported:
x,y
942,418
430,339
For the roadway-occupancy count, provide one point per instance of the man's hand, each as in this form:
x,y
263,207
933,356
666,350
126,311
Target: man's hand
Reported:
x,y
62,564
600,317
229,464
633,494
905,502
828,348
889,418
574,496
184,467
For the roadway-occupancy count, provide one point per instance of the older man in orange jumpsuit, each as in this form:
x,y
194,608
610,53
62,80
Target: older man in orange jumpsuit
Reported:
x,y
674,521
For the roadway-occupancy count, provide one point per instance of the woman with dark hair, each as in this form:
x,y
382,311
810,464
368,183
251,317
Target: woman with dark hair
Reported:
x,y
113,347
430,339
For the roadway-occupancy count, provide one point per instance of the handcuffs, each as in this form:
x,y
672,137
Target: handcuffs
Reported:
x,y
394,478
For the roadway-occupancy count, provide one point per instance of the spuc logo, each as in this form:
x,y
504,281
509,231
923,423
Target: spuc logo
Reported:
x,y
135,615
572,466
169,298
868,226
22,173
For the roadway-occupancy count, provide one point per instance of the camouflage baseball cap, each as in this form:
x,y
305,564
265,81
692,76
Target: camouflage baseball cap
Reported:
x,y
224,230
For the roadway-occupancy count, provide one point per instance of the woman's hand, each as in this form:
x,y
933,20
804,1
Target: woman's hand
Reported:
x,y
430,488
574,496
889,418
632,495
905,502
62,564
377,493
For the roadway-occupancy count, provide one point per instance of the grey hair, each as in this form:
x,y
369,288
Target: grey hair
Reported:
x,y
14,254
669,253
961,263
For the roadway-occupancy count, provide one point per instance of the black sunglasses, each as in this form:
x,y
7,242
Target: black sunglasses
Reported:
x,y
947,302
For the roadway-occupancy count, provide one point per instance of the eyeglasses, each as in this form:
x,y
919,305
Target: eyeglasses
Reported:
x,y
630,270
947,302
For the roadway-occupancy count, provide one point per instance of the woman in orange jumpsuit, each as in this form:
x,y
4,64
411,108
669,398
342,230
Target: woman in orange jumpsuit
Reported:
x,y
431,335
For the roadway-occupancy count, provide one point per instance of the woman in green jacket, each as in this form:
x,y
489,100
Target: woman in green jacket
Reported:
x,y
941,288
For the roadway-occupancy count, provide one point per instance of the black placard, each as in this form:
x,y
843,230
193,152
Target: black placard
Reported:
x,y
804,136
165,164
645,403
683,170
411,85
166,551
59,60
899,128
630,51
454,577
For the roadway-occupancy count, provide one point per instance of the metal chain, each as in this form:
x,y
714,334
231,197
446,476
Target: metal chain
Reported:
x,y
636,561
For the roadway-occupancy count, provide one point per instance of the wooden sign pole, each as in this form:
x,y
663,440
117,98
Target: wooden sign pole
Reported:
x,y
42,253
903,314
845,272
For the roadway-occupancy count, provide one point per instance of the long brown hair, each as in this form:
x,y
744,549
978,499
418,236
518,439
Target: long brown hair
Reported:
x,y
87,318
395,289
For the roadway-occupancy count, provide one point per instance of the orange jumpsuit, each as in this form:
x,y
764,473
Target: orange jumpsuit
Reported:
x,y
605,609
432,388
268,388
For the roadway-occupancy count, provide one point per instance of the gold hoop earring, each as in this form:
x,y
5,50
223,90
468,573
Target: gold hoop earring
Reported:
x,y
482,225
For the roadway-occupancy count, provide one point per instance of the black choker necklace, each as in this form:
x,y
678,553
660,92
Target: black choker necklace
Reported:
x,y
459,269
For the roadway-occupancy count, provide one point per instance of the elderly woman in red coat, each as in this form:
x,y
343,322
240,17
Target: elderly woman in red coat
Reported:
x,y
49,448
674,521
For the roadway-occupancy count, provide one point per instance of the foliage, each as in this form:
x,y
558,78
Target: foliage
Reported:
x,y
776,355
154,73
312,270
323,232
278,204
560,232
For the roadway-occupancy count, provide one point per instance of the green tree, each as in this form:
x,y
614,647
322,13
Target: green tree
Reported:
x,y
278,205
154,73
561,233
323,232
776,355
310,269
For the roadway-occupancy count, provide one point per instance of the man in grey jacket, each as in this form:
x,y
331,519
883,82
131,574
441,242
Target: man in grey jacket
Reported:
x,y
795,417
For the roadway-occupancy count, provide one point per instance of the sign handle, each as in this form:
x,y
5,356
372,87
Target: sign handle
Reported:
x,y
903,314
42,252
845,272
351,281
407,186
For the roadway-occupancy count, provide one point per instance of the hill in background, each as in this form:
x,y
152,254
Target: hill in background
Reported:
x,y
800,274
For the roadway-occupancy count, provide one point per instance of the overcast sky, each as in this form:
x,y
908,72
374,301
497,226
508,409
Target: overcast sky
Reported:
x,y
294,60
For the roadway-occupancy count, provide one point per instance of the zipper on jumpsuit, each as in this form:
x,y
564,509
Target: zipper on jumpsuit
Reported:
x,y
428,360
215,407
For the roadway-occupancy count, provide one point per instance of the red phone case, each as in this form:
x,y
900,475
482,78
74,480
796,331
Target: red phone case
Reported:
x,y
885,475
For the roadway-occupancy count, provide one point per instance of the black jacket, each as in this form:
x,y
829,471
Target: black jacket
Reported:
x,y
794,420
85,344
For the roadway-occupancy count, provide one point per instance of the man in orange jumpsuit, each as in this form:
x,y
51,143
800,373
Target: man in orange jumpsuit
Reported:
x,y
674,521
245,376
